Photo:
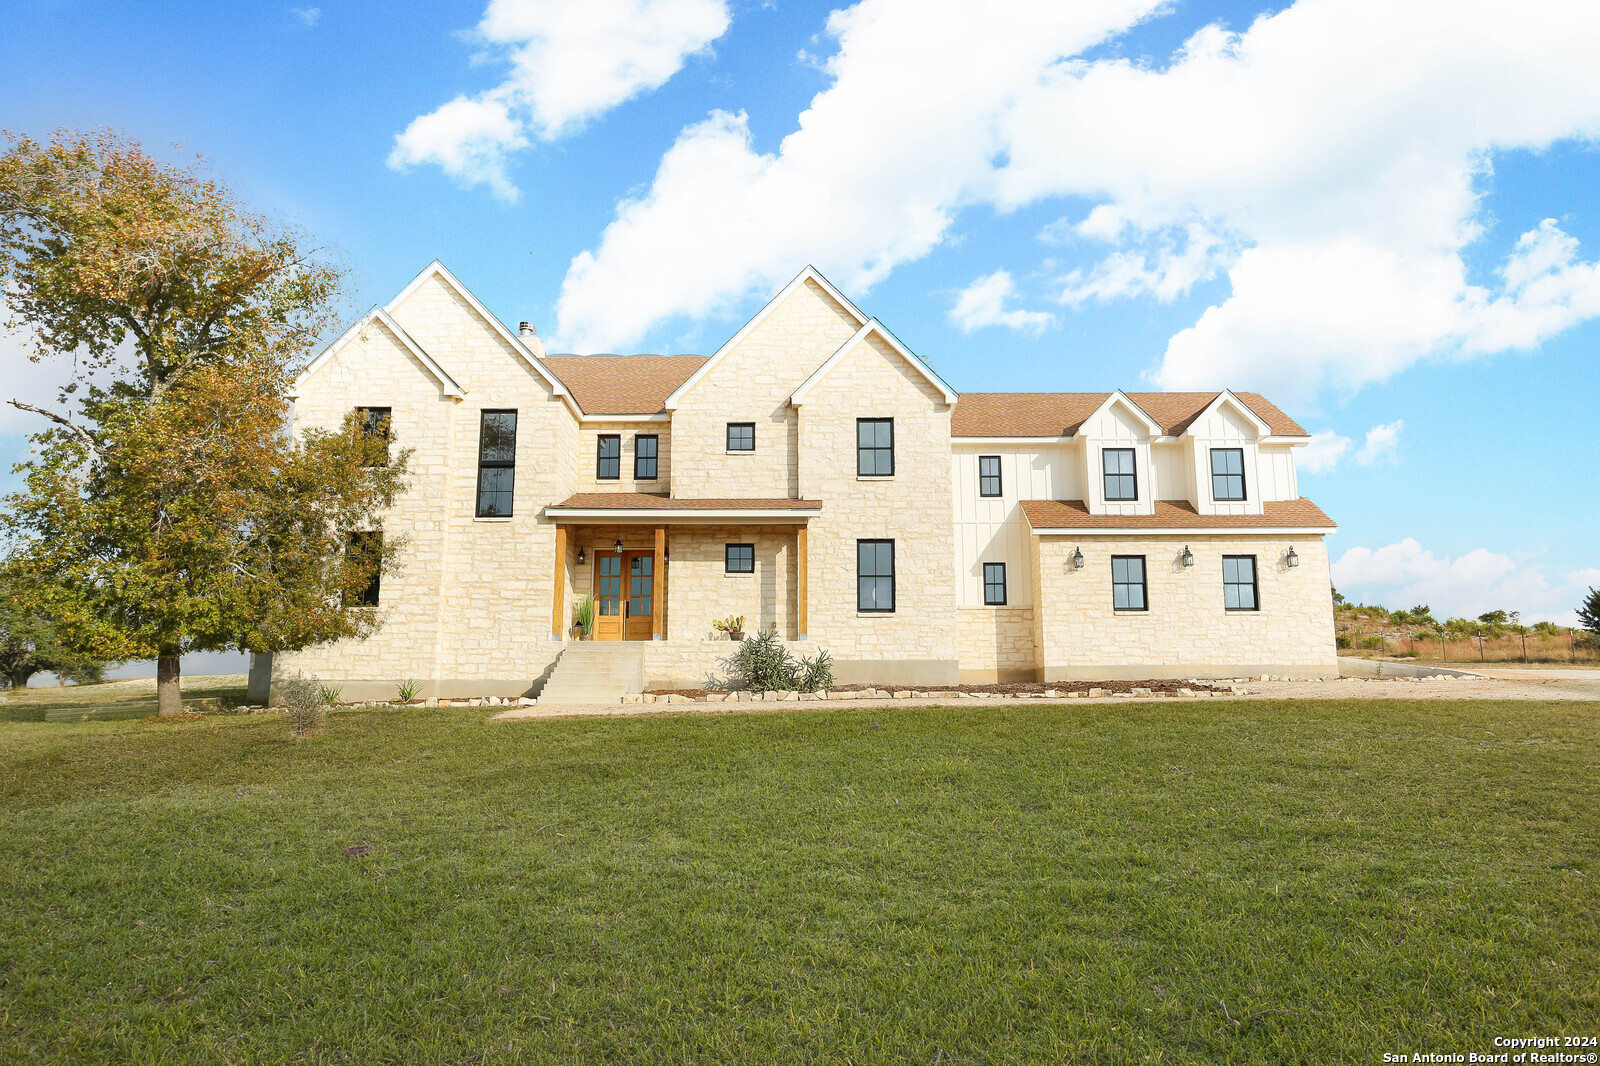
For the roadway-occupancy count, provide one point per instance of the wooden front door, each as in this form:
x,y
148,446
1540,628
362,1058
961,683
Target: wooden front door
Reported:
x,y
624,595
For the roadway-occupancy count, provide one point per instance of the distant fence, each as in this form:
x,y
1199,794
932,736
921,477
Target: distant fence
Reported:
x,y
1507,648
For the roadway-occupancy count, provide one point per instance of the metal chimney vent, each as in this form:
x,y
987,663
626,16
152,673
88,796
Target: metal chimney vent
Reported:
x,y
525,329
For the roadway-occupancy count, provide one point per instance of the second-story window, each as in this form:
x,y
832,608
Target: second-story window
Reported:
x,y
989,475
1121,482
994,584
741,436
1227,473
644,456
497,463
608,457
875,447
374,421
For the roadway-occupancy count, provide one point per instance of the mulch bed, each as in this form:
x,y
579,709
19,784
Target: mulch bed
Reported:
x,y
1165,684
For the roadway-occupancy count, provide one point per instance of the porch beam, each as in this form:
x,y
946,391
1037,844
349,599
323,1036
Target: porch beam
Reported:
x,y
559,596
801,570
660,607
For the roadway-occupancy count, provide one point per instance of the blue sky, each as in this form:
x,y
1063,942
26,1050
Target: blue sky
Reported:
x,y
1342,205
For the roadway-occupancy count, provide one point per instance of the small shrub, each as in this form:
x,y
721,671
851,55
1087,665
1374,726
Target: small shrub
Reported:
x,y
585,615
762,663
1342,640
302,698
1373,641
408,690
331,693
1405,655
815,673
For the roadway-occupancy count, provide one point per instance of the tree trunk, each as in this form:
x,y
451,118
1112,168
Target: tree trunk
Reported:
x,y
19,677
169,692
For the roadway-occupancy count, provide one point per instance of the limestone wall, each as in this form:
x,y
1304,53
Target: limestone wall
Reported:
x,y
997,644
588,453
1186,632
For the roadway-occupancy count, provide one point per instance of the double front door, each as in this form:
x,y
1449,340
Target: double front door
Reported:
x,y
624,595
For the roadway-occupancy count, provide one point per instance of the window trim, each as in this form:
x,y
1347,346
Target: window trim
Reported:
x,y
1255,583
654,457
1144,583
727,558
999,478
1244,488
728,439
987,602
1134,473
600,457
894,592
483,417
874,449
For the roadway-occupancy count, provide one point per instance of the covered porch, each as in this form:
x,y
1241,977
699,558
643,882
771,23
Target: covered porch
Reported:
x,y
663,569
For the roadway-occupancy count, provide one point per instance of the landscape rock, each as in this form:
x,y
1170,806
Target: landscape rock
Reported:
x,y
1096,693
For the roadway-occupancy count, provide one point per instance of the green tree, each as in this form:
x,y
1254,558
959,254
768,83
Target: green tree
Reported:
x,y
30,640
168,498
1495,618
1589,612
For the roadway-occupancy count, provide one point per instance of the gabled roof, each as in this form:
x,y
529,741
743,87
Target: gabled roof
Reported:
x,y
622,384
810,273
437,269
1175,514
1151,426
868,329
447,384
1061,414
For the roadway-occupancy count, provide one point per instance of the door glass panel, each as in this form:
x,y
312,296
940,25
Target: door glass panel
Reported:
x,y
639,585
610,584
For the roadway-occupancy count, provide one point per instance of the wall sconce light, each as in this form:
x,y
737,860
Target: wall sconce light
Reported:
x,y
666,557
1077,559
580,555
1188,557
618,545
1292,559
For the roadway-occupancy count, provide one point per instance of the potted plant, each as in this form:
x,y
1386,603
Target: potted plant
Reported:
x,y
585,624
733,625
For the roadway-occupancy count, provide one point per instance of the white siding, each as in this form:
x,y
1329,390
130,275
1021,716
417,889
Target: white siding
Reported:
x,y
1116,427
1224,427
1174,471
991,529
1276,468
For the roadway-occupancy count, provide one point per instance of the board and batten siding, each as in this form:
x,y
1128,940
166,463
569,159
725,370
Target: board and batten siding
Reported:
x,y
991,529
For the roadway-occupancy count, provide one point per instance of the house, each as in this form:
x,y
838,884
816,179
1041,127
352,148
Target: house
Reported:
x,y
816,476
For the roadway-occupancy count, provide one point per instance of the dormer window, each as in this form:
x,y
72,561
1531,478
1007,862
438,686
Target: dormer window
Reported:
x,y
1121,482
1227,473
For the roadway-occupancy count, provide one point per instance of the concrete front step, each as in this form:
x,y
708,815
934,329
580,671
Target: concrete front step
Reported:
x,y
595,672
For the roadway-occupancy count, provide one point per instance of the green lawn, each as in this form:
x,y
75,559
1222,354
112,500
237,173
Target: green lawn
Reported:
x,y
1152,882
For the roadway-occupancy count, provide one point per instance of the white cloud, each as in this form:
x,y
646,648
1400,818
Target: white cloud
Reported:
x,y
1404,574
1323,453
1326,158
308,16
1381,443
570,62
983,304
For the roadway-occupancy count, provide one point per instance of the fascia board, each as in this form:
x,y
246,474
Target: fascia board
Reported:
x,y
436,268
1185,531
798,397
810,273
446,383
677,517
1263,430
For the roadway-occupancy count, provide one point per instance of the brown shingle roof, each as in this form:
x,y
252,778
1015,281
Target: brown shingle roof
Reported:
x,y
622,384
1056,414
633,501
1172,514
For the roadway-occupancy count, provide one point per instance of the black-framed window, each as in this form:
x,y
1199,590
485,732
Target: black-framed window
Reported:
x,y
875,575
608,457
741,436
994,584
1227,473
366,547
989,475
1239,583
1121,482
645,447
739,558
374,421
1127,583
497,463
875,446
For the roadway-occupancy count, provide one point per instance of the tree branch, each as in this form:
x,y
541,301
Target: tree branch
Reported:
x,y
77,431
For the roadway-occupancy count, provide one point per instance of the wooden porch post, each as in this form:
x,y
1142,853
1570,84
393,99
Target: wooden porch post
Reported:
x,y
556,628
659,611
800,569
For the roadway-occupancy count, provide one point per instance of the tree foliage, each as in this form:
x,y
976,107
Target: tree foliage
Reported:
x,y
31,640
168,496
1589,612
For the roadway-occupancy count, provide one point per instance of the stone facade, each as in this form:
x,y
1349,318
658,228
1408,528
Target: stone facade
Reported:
x,y
471,609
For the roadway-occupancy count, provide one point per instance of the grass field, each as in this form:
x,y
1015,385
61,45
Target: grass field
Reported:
x,y
1152,882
